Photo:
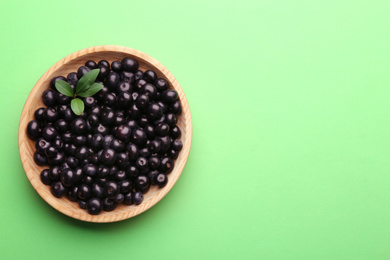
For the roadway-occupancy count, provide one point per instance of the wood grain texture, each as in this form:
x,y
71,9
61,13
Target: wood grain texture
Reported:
x,y
70,64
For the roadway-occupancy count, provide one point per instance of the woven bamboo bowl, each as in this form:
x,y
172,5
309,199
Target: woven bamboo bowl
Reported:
x,y
27,147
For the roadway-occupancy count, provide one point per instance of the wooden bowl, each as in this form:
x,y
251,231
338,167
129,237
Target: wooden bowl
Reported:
x,y
70,64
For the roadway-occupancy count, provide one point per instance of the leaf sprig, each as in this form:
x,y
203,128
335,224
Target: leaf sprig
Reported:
x,y
86,87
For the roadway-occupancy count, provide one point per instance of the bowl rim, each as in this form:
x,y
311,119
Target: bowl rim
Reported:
x,y
104,217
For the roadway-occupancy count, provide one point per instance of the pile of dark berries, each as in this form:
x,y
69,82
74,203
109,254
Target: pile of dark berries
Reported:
x,y
126,140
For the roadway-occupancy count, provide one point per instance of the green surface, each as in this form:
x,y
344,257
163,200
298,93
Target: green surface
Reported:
x,y
291,133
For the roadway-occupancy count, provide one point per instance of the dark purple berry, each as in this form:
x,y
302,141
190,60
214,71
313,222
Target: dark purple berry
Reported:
x,y
82,204
120,175
143,121
166,165
72,78
171,119
91,64
68,115
142,101
103,171
132,151
162,129
112,80
129,64
38,114
71,194
57,159
57,189
62,99
123,132
41,145
153,162
138,197
82,71
79,140
68,177
128,198
164,107
51,114
84,192
152,176
116,66
101,129
82,153
120,118
142,183
138,75
127,76
154,146
88,180
103,73
54,80
161,84
150,76
125,186
49,98
154,111
133,112
119,198
150,90
175,132
93,120
108,156
79,126
177,145
169,96
111,189
141,163
107,140
139,83
110,99
96,142
104,63
90,170
124,86
124,100
172,154
72,162
165,144
33,130
139,137
40,159
108,116
89,102
55,173
161,180
97,191
51,151
94,206
122,160
117,145
62,125
176,107
132,171
79,174
45,178
109,204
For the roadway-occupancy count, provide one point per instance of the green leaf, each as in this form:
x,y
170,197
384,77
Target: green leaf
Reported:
x,y
86,81
77,106
64,88
92,90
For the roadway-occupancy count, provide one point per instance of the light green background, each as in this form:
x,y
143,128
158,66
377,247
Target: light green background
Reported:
x,y
291,133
